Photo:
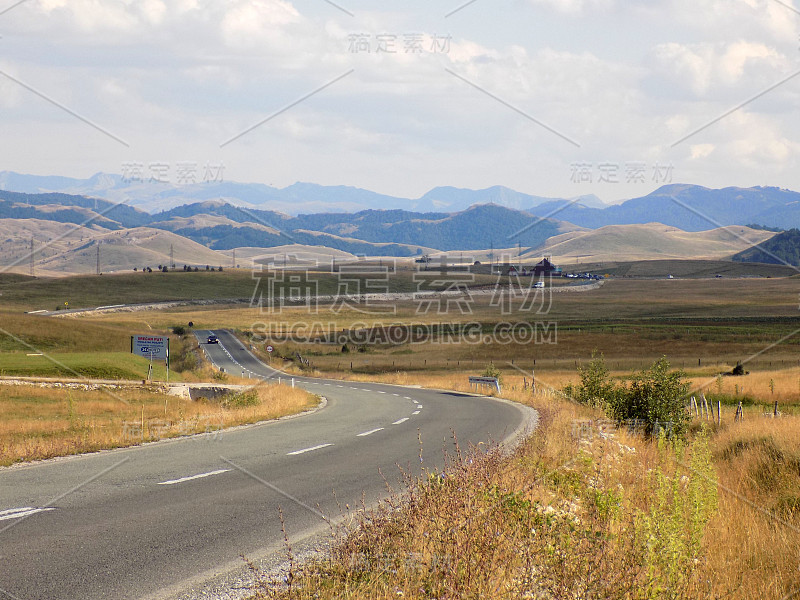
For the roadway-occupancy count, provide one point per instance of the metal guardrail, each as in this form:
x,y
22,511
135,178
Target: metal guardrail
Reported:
x,y
492,382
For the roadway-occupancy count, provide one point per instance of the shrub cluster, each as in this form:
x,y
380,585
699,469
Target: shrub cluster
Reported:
x,y
653,397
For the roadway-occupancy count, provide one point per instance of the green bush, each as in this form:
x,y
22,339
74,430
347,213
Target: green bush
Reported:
x,y
595,388
655,397
492,371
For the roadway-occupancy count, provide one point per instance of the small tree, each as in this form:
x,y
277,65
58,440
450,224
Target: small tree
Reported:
x,y
492,371
655,396
596,389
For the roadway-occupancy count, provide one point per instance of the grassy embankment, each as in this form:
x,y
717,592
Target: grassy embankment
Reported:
x,y
576,514
38,423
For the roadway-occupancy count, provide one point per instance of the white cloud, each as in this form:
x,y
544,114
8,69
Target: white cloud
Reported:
x,y
702,150
251,22
706,68
576,6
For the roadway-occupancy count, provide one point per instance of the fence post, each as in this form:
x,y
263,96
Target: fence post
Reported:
x,y
775,411
719,412
739,412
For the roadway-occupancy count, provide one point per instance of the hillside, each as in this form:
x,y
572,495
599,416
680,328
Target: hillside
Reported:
x,y
65,208
652,241
373,232
783,248
293,252
51,239
131,248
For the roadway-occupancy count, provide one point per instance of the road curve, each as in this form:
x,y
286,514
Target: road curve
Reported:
x,y
136,522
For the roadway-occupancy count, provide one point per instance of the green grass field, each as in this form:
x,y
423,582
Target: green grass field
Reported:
x,y
90,365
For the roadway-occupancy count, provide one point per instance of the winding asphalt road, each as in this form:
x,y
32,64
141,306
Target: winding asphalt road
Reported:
x,y
151,521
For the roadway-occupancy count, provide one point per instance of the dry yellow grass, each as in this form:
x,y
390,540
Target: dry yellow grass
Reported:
x,y
755,541
574,514
38,423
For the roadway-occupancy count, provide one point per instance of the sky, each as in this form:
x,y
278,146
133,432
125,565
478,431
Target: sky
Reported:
x,y
555,98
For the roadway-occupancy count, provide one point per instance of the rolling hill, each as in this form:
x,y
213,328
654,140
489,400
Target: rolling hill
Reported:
x,y
128,249
783,248
649,242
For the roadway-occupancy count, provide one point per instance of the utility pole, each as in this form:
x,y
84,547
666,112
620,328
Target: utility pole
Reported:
x,y
172,256
234,259
32,258
519,254
98,258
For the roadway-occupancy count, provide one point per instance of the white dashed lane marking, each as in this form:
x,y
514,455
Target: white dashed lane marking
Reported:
x,y
416,412
320,447
366,433
401,421
193,477
19,513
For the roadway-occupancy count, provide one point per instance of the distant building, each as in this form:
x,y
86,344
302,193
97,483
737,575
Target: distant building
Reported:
x,y
545,267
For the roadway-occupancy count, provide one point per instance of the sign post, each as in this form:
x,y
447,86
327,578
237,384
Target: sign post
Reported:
x,y
151,347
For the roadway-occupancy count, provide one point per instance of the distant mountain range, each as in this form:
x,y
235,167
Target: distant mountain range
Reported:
x,y
222,226
497,217
687,207
299,198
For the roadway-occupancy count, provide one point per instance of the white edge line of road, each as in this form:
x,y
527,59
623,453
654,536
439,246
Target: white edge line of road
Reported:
x,y
19,513
193,477
366,433
312,449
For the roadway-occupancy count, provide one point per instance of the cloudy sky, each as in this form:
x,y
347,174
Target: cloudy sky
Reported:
x,y
549,97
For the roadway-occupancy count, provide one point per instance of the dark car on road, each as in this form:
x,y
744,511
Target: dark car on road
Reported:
x,y
212,339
